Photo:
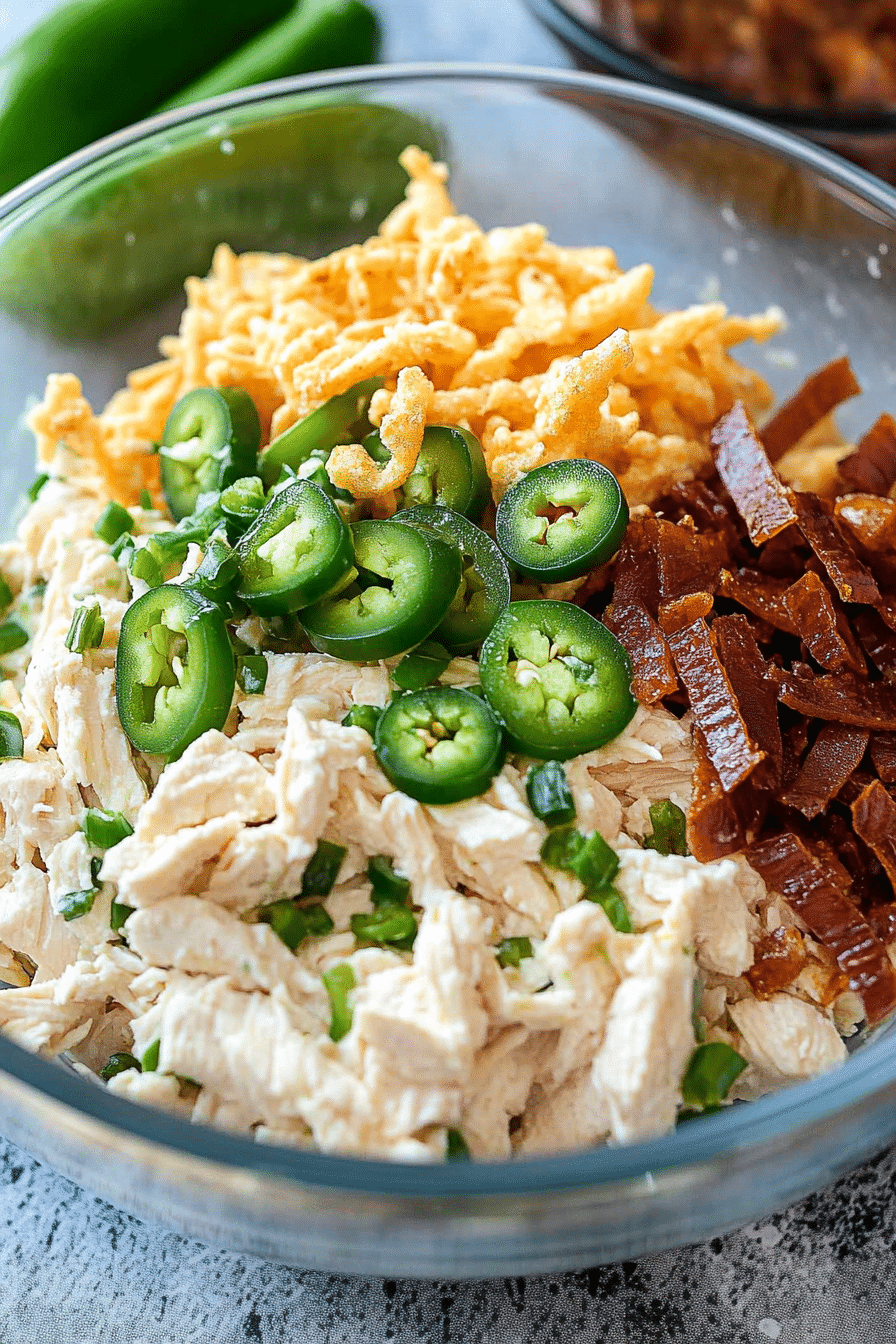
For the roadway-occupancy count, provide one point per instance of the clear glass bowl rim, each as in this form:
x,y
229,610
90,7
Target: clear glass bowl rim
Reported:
x,y
768,1121
621,61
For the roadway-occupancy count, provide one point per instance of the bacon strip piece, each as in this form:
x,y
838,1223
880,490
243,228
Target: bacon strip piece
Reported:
x,y
818,396
653,671
827,537
714,705
761,498
874,819
870,518
714,827
812,891
631,616
872,466
842,698
818,623
883,753
762,595
835,754
757,697
878,641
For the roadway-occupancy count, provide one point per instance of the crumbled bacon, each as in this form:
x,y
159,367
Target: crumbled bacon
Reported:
x,y
825,534
814,893
740,656
820,394
872,466
817,622
835,754
777,961
717,714
631,616
760,496
883,753
843,698
775,611
874,817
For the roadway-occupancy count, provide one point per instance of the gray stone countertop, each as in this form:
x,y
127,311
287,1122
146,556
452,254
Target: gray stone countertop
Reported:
x,y
73,1270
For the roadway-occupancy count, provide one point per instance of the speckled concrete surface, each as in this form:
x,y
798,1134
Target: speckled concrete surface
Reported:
x,y
75,1271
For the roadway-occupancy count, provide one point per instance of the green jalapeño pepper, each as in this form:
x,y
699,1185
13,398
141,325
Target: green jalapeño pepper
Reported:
x,y
557,679
450,470
562,520
295,553
210,440
174,670
440,745
342,419
485,583
406,581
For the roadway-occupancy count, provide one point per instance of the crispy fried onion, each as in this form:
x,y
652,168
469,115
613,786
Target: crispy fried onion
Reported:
x,y
353,469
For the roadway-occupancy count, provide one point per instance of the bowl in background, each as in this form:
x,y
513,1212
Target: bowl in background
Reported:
x,y
601,38
91,256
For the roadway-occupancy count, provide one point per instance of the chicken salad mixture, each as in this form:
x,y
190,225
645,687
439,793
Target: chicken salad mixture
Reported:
x,y
329,813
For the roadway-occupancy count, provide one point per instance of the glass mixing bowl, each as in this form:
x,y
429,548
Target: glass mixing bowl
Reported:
x,y
604,36
91,254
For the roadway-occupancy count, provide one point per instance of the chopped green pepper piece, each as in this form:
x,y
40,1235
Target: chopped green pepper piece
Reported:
x,y
713,1069
86,630
120,1062
218,569
13,635
549,794
146,500
12,741
150,1059
561,846
252,673
323,868
36,486
363,716
613,906
669,829
422,666
293,924
456,1148
594,863
113,522
123,549
242,502
169,549
392,925
144,565
118,915
388,887
5,595
287,921
339,981
317,921
76,903
511,951
104,830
